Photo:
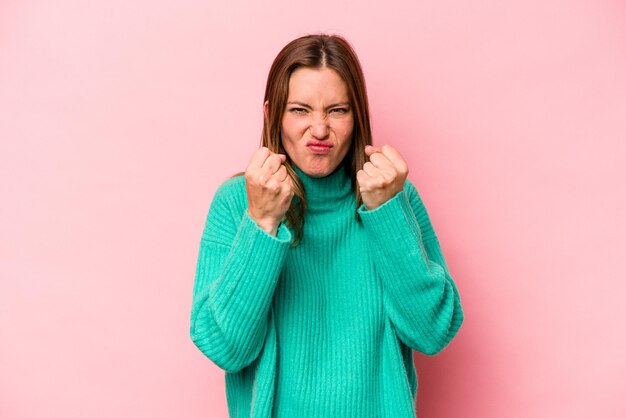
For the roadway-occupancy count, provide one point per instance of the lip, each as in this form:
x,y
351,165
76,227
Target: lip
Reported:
x,y
319,147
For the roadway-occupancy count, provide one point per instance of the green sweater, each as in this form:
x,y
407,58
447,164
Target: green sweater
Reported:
x,y
326,328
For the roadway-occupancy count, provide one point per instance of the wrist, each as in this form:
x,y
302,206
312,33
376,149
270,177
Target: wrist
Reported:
x,y
268,225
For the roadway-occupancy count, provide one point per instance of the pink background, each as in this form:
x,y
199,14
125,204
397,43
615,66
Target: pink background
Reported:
x,y
119,119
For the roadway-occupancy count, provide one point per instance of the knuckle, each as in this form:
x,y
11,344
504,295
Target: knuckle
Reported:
x,y
263,178
273,186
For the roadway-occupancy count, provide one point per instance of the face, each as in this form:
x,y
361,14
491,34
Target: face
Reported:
x,y
318,121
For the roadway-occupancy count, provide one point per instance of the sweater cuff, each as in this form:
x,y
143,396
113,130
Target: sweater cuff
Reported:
x,y
283,234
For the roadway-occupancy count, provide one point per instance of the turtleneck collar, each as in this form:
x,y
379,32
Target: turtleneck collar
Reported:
x,y
326,190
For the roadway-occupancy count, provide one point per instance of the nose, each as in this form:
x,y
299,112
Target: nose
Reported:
x,y
319,127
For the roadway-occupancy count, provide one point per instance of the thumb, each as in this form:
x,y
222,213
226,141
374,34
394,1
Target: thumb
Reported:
x,y
370,149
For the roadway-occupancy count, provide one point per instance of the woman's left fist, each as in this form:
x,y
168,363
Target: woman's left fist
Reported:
x,y
382,177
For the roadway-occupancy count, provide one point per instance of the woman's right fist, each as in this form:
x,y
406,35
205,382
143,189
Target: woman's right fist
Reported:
x,y
269,189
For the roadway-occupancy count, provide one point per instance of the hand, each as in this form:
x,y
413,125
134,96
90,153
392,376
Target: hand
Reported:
x,y
382,177
269,189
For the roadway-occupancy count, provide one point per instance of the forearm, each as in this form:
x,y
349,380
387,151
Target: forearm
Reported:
x,y
419,295
233,292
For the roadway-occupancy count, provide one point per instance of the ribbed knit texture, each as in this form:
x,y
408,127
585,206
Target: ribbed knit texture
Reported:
x,y
326,328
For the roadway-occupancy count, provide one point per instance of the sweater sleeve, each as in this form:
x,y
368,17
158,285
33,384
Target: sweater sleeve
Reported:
x,y
237,270
419,295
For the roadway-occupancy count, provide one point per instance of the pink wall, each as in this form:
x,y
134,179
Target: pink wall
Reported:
x,y
119,119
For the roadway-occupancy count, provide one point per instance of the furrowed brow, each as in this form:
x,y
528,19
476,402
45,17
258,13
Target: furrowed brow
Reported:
x,y
338,104
300,104
327,107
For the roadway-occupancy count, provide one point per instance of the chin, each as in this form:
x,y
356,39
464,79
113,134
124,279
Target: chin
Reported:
x,y
318,166
315,172
318,171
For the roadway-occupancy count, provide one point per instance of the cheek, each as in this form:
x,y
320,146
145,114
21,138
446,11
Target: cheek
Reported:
x,y
347,130
294,125
349,127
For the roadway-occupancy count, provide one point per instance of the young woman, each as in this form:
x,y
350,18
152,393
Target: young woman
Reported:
x,y
319,270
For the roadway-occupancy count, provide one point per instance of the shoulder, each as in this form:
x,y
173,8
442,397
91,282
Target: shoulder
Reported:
x,y
226,210
230,198
231,188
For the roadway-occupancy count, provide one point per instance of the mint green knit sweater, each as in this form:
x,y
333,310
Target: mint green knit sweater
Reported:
x,y
326,328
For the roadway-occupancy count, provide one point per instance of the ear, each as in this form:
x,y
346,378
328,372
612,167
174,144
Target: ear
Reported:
x,y
265,108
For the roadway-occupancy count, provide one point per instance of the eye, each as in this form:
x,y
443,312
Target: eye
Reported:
x,y
298,110
339,110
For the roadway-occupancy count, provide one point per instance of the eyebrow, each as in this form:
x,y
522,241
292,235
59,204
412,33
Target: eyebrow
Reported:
x,y
327,107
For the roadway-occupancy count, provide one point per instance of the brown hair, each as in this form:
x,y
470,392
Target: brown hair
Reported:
x,y
316,51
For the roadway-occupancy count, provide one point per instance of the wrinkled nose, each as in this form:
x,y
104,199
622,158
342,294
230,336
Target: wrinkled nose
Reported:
x,y
319,127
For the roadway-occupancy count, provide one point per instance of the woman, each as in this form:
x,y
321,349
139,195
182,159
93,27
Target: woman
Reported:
x,y
319,270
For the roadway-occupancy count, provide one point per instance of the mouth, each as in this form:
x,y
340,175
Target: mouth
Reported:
x,y
319,147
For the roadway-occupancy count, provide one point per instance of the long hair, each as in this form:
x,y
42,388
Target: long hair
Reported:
x,y
316,51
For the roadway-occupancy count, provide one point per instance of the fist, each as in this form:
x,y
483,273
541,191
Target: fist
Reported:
x,y
269,189
382,177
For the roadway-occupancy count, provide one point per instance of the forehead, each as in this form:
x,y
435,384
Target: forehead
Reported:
x,y
317,84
